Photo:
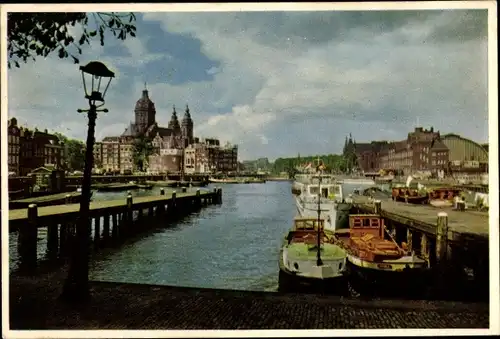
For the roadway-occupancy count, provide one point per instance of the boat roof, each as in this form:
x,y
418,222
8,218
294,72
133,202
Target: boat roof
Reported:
x,y
308,219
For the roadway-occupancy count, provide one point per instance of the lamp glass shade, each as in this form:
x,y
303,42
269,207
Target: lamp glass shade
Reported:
x,y
92,75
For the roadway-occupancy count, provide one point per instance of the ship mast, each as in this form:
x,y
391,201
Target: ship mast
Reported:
x,y
318,236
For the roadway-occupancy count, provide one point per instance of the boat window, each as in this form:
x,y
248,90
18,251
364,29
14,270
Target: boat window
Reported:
x,y
324,192
366,222
313,190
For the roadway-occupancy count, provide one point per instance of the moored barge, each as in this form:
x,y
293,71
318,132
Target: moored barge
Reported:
x,y
376,264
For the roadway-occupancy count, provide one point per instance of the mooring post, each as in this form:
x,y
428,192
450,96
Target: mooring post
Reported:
x,y
184,189
27,241
441,237
162,191
378,207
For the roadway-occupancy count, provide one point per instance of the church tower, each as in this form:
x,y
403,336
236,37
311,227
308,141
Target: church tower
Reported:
x,y
187,127
145,112
174,124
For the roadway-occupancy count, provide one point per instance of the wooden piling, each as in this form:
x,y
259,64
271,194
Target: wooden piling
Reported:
x,y
97,231
198,198
114,230
409,239
105,229
162,191
442,237
27,238
424,248
183,189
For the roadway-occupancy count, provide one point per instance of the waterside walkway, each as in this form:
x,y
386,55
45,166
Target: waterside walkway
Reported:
x,y
34,305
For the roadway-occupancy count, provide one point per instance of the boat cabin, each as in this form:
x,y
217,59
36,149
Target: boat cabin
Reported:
x,y
366,238
362,224
306,231
308,224
445,193
328,191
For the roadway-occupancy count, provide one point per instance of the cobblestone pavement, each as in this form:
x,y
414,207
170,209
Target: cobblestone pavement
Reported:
x,y
34,305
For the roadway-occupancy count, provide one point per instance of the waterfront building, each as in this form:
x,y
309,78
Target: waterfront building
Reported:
x,y
29,149
424,150
13,135
228,158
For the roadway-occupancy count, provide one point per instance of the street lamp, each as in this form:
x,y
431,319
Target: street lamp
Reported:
x,y
76,287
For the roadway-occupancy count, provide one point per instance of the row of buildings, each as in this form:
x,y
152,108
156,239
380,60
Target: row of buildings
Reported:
x,y
424,150
31,149
175,149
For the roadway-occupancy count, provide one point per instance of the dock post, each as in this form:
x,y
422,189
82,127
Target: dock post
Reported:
x,y
53,240
213,199
129,216
378,207
424,248
172,206
105,229
184,190
27,239
441,237
162,191
409,239
198,198
114,230
97,231
219,195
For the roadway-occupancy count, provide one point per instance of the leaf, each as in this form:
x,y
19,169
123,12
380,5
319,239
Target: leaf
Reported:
x,y
93,33
132,34
61,52
17,64
75,60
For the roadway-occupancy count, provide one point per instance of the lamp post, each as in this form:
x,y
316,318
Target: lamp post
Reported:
x,y
76,287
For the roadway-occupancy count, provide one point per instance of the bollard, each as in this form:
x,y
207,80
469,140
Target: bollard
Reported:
x,y
441,237
67,199
378,207
28,241
162,191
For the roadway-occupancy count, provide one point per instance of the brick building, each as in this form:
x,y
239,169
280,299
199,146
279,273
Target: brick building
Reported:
x,y
13,135
422,150
31,149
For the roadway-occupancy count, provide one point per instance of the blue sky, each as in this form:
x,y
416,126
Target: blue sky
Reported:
x,y
279,83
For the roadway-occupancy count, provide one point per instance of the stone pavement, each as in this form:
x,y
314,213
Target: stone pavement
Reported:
x,y
34,305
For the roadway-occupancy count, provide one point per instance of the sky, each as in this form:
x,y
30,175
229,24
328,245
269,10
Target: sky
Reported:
x,y
278,83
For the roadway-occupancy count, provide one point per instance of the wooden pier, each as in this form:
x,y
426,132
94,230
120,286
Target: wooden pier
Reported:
x,y
450,240
113,221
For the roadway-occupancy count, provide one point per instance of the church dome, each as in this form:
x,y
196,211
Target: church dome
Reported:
x,y
145,103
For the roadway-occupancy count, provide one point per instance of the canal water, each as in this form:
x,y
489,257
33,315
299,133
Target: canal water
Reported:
x,y
233,246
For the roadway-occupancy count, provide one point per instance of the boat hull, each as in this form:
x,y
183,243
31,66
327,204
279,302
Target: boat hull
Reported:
x,y
290,282
369,281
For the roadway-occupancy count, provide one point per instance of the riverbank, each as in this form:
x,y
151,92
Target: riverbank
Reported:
x,y
34,305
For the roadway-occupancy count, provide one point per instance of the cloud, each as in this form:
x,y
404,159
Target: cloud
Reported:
x,y
280,83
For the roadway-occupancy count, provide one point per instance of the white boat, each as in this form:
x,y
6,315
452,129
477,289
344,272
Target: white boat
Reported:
x,y
328,193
